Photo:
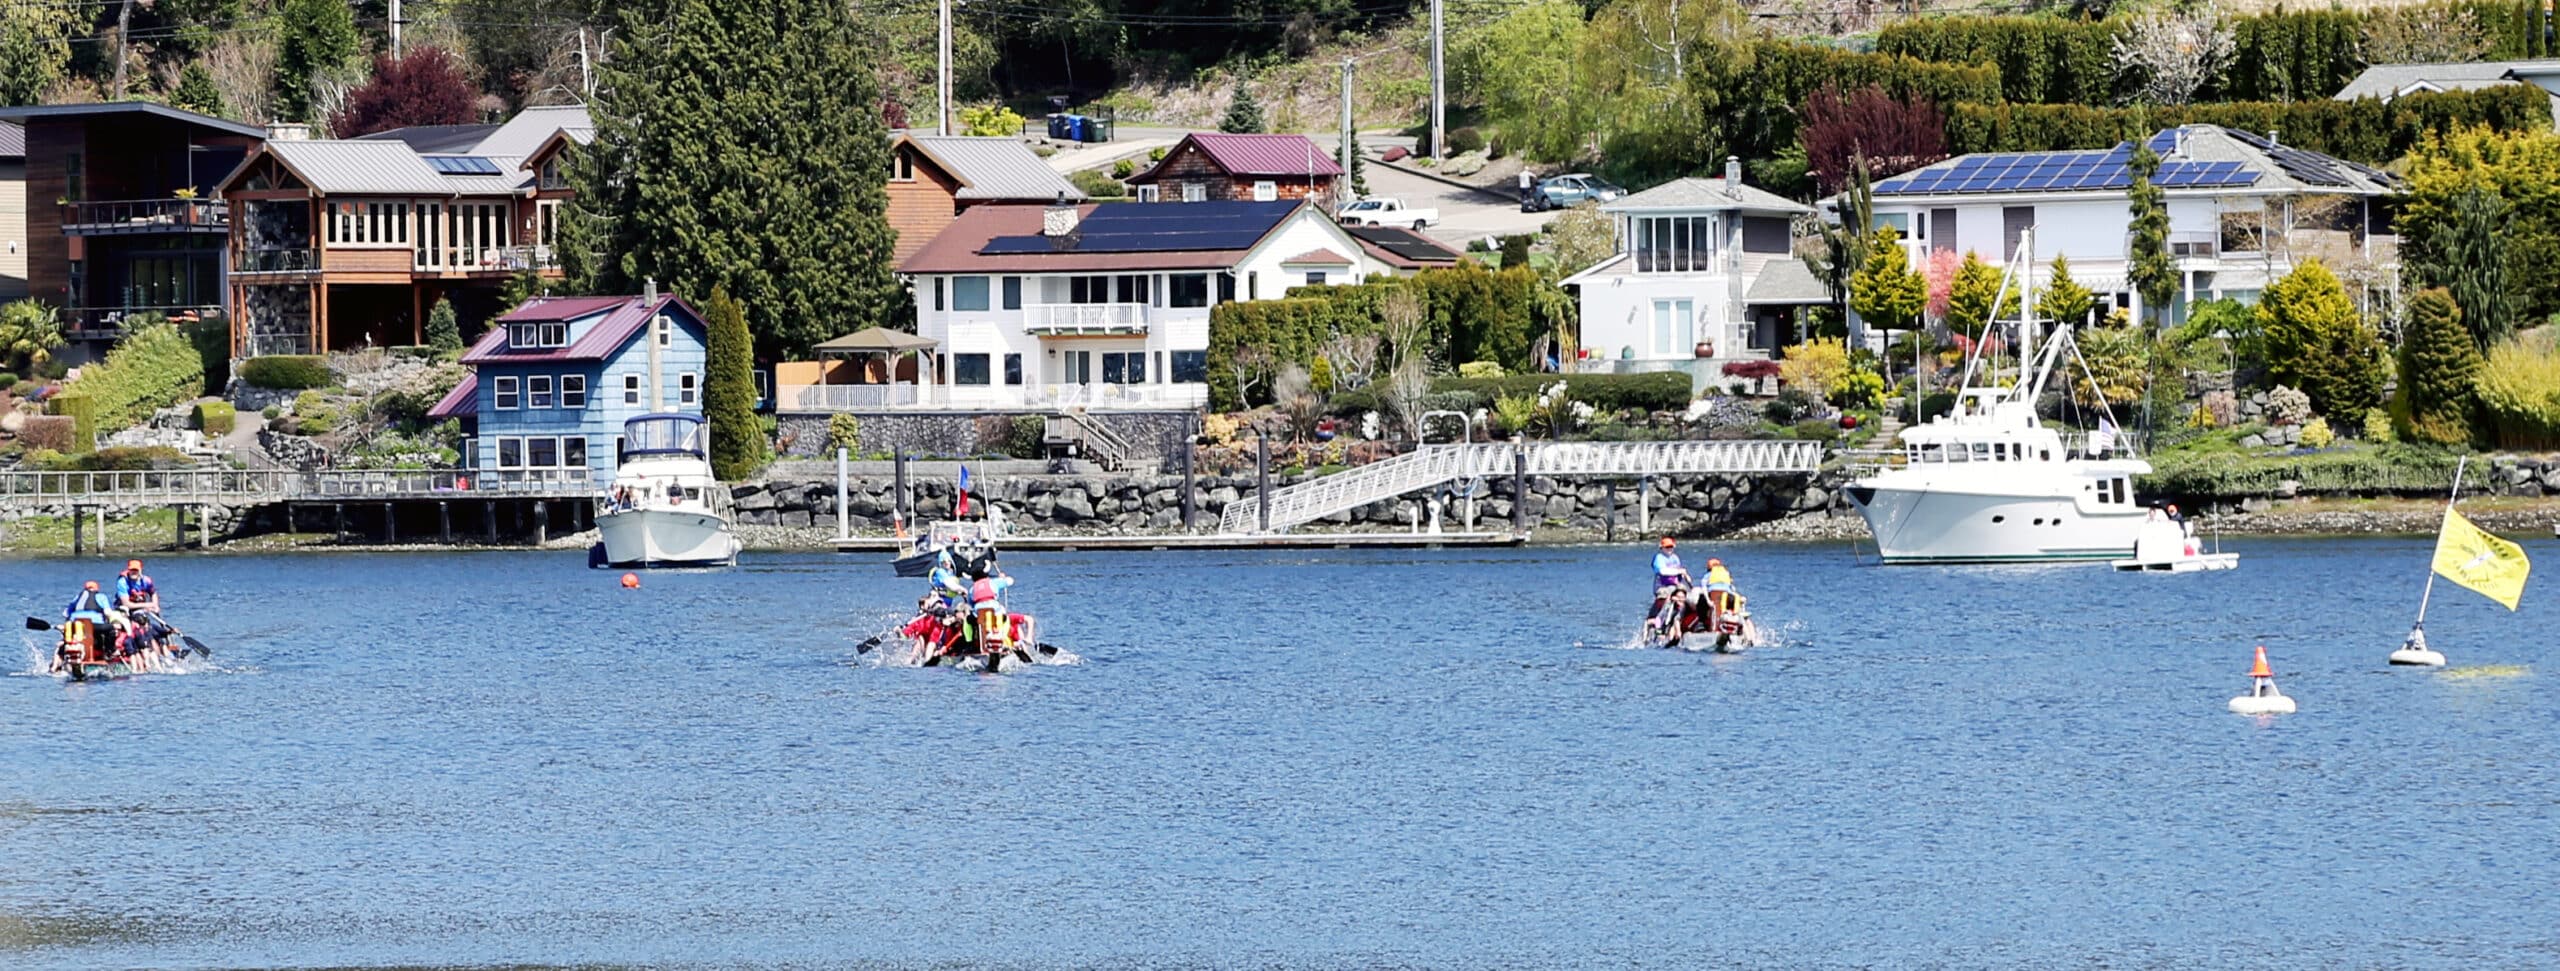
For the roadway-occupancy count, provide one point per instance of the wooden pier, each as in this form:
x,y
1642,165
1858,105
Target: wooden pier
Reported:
x,y
512,504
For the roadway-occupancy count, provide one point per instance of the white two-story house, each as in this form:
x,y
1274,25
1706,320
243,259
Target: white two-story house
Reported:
x,y
1705,273
2243,209
1088,305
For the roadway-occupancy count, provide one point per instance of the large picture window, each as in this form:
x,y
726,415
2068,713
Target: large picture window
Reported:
x,y
969,293
1676,244
1188,289
969,369
1190,367
1124,367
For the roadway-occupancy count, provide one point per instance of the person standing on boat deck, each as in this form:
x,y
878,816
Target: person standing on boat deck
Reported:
x,y
1667,571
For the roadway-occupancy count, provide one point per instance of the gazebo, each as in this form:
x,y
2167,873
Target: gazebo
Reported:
x,y
888,344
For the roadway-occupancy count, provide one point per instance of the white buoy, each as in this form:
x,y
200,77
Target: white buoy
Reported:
x,y
2263,698
2414,652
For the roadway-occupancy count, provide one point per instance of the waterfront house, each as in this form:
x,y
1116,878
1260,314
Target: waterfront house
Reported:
x,y
1680,292
1215,167
2243,208
340,243
553,380
1099,305
127,219
935,178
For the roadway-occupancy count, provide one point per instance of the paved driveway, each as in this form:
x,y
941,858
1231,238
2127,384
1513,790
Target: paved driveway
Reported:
x,y
1465,214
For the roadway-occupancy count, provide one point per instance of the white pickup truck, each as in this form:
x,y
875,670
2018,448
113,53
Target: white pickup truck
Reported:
x,y
1386,212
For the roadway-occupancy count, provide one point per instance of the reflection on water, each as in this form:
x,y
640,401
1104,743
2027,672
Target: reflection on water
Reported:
x,y
1352,758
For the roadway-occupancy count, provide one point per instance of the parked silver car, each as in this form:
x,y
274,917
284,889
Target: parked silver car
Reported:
x,y
1563,191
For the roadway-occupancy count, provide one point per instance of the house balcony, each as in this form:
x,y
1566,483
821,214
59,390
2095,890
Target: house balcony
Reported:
x,y
830,398
129,217
108,323
1085,319
487,259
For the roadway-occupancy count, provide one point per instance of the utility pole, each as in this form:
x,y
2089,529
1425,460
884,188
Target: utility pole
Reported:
x,y
395,28
586,70
1439,86
124,25
1344,195
942,55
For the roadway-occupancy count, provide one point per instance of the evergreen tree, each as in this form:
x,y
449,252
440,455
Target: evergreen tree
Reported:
x,y
318,36
1977,284
2149,269
2471,266
1886,292
444,331
729,390
740,147
2318,343
1359,169
2064,301
196,92
524,285
35,46
2439,371
1244,115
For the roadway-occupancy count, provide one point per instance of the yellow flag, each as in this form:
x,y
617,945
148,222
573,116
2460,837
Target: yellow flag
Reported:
x,y
2471,556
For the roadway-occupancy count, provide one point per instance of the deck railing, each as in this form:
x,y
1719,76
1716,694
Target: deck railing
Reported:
x,y
146,487
145,215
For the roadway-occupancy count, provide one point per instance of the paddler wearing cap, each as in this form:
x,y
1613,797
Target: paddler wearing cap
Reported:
x,y
139,598
1667,571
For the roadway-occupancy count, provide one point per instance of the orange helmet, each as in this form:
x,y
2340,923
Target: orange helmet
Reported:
x,y
91,586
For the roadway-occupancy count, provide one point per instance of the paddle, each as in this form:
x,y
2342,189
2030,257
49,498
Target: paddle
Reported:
x,y
200,649
34,624
867,646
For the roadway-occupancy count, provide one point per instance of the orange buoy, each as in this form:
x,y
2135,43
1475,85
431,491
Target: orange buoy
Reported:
x,y
2260,669
631,581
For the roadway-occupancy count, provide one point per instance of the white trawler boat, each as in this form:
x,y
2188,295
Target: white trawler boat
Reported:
x,y
664,507
1989,483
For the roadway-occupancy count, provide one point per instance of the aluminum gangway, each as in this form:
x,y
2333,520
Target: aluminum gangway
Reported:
x,y
1432,465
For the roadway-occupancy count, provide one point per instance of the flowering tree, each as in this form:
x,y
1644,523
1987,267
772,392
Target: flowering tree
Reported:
x,y
1891,134
1942,269
2174,53
423,87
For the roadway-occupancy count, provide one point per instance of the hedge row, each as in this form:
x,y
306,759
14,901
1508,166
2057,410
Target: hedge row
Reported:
x,y
2407,470
1762,115
1471,314
153,368
2364,130
287,372
2276,56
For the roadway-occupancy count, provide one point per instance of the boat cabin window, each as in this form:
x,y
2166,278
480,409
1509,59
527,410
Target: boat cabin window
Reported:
x,y
1981,451
1999,451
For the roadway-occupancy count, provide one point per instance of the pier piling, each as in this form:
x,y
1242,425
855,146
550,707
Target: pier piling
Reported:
x,y
79,521
1262,480
444,521
489,518
541,522
390,524
1190,485
1519,490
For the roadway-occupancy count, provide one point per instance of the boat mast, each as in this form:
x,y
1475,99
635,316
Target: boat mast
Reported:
x,y
2431,569
2027,313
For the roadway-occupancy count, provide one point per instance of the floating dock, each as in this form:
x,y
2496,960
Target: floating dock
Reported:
x,y
1213,541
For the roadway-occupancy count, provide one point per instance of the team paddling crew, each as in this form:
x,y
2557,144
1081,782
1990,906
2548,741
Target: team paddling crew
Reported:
x,y
87,605
139,598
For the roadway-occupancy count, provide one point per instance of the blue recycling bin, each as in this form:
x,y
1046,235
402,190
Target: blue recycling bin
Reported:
x,y
1076,128
1059,128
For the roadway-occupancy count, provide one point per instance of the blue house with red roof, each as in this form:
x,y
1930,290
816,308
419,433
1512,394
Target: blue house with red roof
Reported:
x,y
553,380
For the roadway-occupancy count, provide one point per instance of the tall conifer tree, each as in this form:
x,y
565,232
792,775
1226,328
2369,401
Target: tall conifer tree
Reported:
x,y
729,391
2150,270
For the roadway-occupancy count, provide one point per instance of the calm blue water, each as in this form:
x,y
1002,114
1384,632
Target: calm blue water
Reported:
x,y
1345,759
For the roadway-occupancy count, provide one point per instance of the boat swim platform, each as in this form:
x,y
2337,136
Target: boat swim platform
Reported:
x,y
1065,543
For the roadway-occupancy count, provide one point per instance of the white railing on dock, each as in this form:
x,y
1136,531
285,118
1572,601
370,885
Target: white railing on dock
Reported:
x,y
168,486
1432,465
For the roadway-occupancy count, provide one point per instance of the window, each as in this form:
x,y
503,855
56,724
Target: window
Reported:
x,y
542,452
573,391
1253,284
511,453
1124,367
1149,193
687,384
666,330
1674,328
1190,367
969,293
1013,293
1675,244
1942,230
573,452
1189,289
1900,221
902,166
1194,192
1013,369
969,369
506,394
539,334
2014,223
537,391
1129,288
630,389
1266,191
75,178
1226,288
1079,366
937,293
1315,278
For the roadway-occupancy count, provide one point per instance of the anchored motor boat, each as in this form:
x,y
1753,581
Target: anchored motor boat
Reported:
x,y
665,508
2166,546
1988,482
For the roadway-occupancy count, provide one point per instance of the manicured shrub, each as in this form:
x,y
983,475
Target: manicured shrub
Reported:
x,y
8,380
313,414
214,418
287,372
2317,342
48,433
845,432
1030,437
82,410
2520,392
152,369
2439,370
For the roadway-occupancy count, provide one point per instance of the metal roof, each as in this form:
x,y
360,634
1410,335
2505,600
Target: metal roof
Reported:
x,y
23,113
532,127
996,168
461,402
1680,194
1786,281
435,139
1287,156
623,320
2388,81
354,167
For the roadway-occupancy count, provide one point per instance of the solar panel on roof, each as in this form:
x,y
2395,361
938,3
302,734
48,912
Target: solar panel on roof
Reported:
x,y
462,165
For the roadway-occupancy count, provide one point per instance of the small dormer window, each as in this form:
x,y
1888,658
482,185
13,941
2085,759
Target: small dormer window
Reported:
x,y
538,335
902,165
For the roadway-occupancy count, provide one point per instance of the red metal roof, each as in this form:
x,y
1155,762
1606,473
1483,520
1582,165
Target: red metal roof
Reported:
x,y
461,402
624,317
1271,155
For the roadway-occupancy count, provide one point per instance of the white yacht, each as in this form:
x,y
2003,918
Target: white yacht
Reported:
x,y
1988,482
664,508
